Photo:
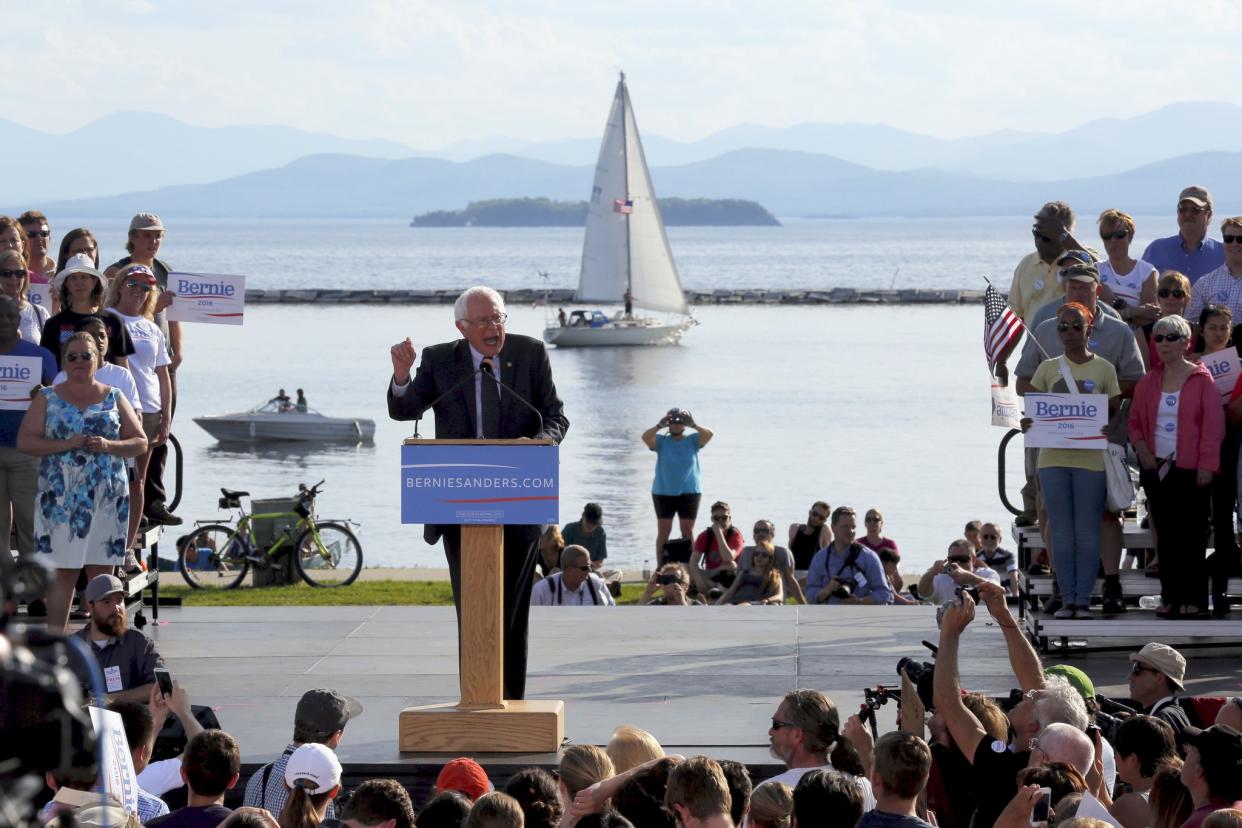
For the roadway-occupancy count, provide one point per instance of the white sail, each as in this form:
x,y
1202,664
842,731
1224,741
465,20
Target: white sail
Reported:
x,y
625,243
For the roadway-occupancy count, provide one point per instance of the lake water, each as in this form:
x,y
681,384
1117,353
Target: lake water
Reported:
x,y
868,406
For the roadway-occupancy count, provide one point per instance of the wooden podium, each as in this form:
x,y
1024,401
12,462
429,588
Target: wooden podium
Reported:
x,y
483,721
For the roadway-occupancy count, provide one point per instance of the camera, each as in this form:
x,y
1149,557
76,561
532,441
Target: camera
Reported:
x,y
973,592
845,589
922,675
668,578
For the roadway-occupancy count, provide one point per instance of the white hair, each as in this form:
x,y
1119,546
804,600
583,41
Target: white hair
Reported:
x,y
1060,703
1064,743
1172,324
463,301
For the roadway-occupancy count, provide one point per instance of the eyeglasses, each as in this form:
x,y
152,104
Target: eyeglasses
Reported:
x,y
1033,745
12,274
762,553
1231,239
872,519
1040,236
84,356
1190,209
1167,337
486,321
763,530
959,559
1118,236
134,285
1176,293
990,537
581,568
1065,326
38,234
777,724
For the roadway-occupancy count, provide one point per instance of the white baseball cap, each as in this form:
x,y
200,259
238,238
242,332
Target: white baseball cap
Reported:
x,y
313,767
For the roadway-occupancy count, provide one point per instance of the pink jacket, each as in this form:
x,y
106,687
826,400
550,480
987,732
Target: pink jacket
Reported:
x,y
1200,418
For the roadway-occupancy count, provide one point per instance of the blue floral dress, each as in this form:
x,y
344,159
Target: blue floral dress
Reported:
x,y
82,506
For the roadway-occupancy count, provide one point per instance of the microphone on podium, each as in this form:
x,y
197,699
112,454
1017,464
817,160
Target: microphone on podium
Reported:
x,y
487,369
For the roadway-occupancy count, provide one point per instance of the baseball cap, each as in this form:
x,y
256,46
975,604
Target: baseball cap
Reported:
x,y
324,711
1196,194
145,221
141,272
1077,679
313,767
77,263
1081,256
102,585
1164,658
1220,747
465,776
1080,273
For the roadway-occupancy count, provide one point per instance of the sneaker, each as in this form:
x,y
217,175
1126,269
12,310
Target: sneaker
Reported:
x,y
158,513
1064,614
131,566
1039,569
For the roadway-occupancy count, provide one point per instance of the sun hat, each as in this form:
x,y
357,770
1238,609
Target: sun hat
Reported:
x,y
77,263
1164,658
314,768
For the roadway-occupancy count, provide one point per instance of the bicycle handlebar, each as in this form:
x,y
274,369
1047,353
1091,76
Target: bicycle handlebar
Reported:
x,y
303,491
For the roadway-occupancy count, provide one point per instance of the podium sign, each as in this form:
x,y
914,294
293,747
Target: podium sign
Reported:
x,y
480,484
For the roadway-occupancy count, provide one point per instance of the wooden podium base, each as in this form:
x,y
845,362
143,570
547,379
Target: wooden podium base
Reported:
x,y
536,726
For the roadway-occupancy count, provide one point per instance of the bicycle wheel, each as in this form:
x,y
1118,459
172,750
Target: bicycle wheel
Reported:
x,y
328,555
213,557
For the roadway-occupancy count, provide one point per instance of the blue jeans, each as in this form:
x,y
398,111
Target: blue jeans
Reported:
x,y
1075,501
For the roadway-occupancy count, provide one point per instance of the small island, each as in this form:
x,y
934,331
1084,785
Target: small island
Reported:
x,y
544,212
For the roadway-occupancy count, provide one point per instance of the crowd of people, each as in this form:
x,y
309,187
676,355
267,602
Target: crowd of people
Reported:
x,y
81,469
1144,332
1054,752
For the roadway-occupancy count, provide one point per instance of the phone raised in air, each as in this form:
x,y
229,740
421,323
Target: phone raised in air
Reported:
x,y
164,679
1043,807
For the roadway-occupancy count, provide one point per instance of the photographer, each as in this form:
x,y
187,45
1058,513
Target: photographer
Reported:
x,y
674,582
677,489
846,572
958,569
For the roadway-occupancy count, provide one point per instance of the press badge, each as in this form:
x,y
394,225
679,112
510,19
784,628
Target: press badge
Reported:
x,y
112,678
860,579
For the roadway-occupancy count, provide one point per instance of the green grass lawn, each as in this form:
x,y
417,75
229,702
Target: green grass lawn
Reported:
x,y
362,593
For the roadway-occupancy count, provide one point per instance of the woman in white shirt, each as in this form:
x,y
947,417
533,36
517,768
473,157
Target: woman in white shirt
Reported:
x,y
1127,282
14,283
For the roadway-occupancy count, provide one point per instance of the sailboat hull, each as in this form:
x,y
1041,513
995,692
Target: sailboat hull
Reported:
x,y
618,334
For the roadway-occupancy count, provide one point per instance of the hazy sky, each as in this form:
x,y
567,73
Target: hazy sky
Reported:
x,y
430,73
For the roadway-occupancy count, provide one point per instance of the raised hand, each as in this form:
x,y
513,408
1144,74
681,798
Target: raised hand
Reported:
x,y
403,356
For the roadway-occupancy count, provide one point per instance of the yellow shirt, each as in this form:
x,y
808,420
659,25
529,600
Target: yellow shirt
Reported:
x,y
1034,285
1048,379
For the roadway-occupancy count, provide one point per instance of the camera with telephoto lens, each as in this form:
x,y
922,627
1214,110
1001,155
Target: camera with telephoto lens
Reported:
x,y
922,674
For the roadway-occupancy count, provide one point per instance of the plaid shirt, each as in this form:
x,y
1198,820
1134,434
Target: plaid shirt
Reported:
x,y
150,807
275,794
1220,287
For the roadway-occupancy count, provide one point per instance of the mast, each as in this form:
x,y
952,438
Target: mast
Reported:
x,y
625,155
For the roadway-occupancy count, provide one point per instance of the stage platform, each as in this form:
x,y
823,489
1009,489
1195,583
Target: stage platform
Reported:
x,y
702,679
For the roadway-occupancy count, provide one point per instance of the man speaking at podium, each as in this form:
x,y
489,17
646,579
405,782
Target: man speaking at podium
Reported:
x,y
484,408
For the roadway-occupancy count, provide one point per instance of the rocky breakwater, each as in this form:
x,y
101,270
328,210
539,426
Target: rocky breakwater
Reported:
x,y
564,296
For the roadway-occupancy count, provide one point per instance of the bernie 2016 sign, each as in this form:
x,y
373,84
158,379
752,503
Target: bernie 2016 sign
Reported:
x,y
480,484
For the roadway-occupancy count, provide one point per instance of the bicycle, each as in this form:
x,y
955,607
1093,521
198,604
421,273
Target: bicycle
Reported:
x,y
218,556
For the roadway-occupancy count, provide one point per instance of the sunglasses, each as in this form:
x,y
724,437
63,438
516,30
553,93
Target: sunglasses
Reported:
x,y
1065,326
762,553
143,286
38,234
1189,209
1167,337
12,274
990,537
872,519
1176,293
1118,236
957,559
581,568
1041,237
1231,239
777,724
84,356
1137,668
763,531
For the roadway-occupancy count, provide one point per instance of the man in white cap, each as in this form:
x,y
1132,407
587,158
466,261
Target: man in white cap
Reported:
x,y
1157,673
127,657
1190,251
320,719
146,234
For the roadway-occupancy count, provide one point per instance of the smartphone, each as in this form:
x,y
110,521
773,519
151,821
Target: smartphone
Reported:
x,y
164,679
1043,807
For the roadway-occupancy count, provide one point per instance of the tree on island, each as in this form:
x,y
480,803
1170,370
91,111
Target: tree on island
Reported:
x,y
544,212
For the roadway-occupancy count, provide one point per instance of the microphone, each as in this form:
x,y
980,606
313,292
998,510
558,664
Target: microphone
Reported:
x,y
487,369
468,378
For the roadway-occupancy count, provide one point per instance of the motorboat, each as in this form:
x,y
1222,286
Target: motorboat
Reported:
x,y
275,420
626,257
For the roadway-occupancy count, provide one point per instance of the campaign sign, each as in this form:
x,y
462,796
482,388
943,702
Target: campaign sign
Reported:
x,y
1224,366
40,295
480,484
1073,421
117,769
207,297
1005,411
18,375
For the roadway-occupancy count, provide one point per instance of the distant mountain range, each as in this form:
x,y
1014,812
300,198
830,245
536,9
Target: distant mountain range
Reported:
x,y
789,184
141,151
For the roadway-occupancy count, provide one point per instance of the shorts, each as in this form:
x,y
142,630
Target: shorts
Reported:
x,y
151,424
685,505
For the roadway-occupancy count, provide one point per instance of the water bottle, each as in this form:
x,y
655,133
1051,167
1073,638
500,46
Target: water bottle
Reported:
x,y
1149,602
647,570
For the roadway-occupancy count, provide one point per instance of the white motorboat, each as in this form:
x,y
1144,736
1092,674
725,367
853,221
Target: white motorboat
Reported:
x,y
273,421
625,250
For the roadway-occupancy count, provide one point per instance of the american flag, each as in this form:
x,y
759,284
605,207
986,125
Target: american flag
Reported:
x,y
1001,326
625,206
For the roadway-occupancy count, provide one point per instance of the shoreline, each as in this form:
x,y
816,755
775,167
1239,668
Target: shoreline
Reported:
x,y
565,296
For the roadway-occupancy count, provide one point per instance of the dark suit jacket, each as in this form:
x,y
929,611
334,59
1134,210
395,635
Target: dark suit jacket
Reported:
x,y
524,367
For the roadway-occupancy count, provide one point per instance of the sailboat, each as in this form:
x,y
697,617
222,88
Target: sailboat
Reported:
x,y
625,253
